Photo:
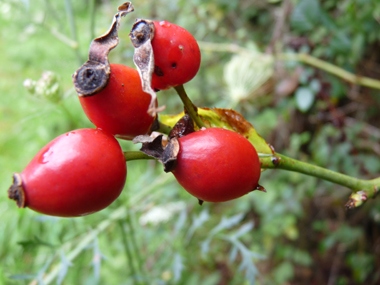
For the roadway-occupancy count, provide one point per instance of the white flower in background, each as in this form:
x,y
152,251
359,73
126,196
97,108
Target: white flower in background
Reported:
x,y
47,87
246,72
161,213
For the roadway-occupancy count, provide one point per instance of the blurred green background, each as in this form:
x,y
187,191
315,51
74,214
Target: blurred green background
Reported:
x,y
156,233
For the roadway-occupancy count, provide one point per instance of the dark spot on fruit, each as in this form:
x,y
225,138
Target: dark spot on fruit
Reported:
x,y
158,71
174,65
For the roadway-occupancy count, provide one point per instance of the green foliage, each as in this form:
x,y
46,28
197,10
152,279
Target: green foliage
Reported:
x,y
337,22
156,233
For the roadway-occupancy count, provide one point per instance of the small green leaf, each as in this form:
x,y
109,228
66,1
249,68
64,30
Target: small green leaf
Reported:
x,y
306,15
283,272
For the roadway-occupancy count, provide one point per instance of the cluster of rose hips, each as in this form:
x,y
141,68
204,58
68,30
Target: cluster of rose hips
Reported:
x,y
84,171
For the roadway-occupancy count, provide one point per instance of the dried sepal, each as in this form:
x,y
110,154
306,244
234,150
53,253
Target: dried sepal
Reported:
x,y
143,139
260,188
93,76
141,36
16,191
153,148
169,157
166,153
183,127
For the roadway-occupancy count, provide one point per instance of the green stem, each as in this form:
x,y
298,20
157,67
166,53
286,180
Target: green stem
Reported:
x,y
331,68
136,155
190,108
370,187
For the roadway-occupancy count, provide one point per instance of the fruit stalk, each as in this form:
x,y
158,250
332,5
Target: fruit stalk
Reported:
x,y
136,155
190,108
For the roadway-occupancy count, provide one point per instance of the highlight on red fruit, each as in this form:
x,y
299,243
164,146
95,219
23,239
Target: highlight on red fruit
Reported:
x,y
121,107
176,54
217,165
76,174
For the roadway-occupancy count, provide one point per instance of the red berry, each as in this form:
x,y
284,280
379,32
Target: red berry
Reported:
x,y
76,174
121,107
217,165
176,54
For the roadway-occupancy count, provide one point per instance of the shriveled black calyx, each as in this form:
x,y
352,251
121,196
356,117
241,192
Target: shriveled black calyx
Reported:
x,y
154,147
93,76
151,147
166,154
183,127
16,191
169,157
141,36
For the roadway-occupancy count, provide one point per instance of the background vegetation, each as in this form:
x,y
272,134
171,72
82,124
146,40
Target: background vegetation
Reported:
x,y
297,233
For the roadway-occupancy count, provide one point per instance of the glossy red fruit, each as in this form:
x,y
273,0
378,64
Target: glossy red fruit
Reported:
x,y
176,55
76,174
217,165
121,107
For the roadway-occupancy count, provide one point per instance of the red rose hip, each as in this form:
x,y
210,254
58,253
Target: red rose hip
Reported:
x,y
217,165
176,55
121,107
76,174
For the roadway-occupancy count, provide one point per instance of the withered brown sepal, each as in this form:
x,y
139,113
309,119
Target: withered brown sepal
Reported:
x,y
93,76
16,191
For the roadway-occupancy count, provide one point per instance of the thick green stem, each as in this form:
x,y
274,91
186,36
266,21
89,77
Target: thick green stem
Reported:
x,y
136,155
370,187
190,108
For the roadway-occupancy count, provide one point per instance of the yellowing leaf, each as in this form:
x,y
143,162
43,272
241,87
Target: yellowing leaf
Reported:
x,y
226,119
